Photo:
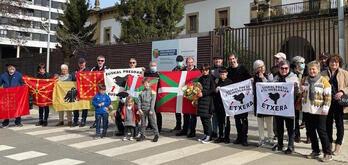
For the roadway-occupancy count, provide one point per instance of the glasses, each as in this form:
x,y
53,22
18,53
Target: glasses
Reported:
x,y
100,60
284,68
132,62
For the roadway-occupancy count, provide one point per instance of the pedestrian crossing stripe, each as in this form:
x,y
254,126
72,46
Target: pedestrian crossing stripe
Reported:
x,y
53,130
5,147
25,155
136,147
176,154
64,137
239,158
65,161
92,143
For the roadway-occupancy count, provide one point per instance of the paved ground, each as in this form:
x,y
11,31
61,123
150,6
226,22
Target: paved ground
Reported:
x,y
52,145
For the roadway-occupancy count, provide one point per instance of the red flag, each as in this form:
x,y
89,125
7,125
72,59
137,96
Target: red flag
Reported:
x,y
14,102
40,89
170,94
87,84
134,84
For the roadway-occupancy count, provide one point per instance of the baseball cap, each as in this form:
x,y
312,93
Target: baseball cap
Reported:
x,y
280,55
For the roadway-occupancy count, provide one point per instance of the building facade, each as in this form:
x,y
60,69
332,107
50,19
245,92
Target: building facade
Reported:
x,y
25,33
202,16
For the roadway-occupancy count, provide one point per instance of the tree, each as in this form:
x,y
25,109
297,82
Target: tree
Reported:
x,y
147,20
73,30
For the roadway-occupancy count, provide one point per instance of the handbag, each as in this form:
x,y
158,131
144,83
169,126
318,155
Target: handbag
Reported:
x,y
343,101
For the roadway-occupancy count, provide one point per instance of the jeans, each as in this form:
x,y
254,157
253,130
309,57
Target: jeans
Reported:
x,y
190,122
214,122
297,124
223,124
335,112
43,113
83,115
242,126
178,120
289,122
317,124
7,121
99,117
151,118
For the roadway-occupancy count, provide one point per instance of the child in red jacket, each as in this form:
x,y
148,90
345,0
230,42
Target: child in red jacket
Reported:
x,y
130,118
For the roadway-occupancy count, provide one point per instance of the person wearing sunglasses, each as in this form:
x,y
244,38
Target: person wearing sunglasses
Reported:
x,y
100,67
285,75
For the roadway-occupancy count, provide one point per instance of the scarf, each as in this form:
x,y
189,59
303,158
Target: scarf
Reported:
x,y
312,81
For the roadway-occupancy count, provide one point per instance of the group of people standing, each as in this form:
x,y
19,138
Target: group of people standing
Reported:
x,y
319,87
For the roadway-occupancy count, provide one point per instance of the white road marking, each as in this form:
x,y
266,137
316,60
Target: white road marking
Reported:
x,y
25,155
65,161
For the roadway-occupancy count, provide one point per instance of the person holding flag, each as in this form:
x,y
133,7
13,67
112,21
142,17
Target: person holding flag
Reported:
x,y
238,73
81,68
285,75
179,67
43,111
11,78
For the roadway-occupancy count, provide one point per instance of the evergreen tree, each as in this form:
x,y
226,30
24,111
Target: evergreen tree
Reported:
x,y
72,32
147,20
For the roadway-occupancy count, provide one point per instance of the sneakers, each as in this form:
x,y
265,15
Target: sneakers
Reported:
x,y
60,123
288,151
206,140
203,138
261,143
93,126
19,125
4,126
97,137
131,138
124,138
326,158
82,124
313,155
39,123
141,138
155,139
277,148
219,140
44,123
181,133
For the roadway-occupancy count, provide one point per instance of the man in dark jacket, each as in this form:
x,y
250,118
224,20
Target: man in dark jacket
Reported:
x,y
215,72
153,72
220,111
11,78
190,120
43,111
238,73
179,67
81,68
100,67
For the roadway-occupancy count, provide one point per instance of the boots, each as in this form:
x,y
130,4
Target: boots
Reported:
x,y
337,150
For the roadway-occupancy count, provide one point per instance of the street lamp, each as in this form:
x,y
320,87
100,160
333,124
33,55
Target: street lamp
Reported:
x,y
47,27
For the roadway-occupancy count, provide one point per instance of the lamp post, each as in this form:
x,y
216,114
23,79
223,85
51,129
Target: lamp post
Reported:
x,y
48,37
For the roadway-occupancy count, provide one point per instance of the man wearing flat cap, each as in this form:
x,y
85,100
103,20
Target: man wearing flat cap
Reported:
x,y
11,78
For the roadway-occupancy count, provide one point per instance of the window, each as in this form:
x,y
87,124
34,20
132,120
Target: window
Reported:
x,y
36,37
37,25
107,35
192,23
54,27
3,33
45,3
37,13
56,5
222,17
54,15
43,37
44,14
53,38
37,2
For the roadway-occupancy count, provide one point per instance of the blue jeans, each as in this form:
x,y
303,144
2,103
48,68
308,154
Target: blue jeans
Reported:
x,y
99,117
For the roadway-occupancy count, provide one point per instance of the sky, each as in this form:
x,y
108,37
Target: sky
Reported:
x,y
104,3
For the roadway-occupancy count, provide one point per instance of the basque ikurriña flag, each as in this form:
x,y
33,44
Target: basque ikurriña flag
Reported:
x,y
170,96
87,84
134,85
40,89
14,102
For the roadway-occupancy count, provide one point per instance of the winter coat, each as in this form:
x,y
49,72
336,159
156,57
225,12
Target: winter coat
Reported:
x,y
99,98
219,107
147,100
256,80
11,81
130,120
205,103
342,80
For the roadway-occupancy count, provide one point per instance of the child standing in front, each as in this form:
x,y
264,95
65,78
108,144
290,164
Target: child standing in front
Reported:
x,y
146,107
101,102
129,117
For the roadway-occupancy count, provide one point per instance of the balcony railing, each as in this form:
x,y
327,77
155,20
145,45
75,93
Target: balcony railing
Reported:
x,y
262,11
